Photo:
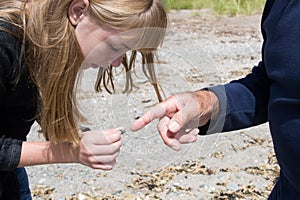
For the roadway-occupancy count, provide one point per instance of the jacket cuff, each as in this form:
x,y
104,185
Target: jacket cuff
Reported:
x,y
10,152
216,125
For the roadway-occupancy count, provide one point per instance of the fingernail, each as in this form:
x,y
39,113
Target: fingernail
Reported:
x,y
173,126
191,140
196,131
134,127
122,129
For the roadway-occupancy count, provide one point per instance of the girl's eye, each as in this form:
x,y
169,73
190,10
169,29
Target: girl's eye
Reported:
x,y
115,49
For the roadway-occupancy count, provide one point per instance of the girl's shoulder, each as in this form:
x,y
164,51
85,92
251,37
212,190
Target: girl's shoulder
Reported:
x,y
11,56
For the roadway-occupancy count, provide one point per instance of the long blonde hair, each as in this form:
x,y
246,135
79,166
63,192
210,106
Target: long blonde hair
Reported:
x,y
54,58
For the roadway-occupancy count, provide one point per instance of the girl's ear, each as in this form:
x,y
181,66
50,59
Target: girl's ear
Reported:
x,y
76,10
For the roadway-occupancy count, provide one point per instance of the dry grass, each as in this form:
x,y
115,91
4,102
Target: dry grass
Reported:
x,y
222,7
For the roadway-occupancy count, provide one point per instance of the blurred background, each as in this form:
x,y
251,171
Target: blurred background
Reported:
x,y
222,7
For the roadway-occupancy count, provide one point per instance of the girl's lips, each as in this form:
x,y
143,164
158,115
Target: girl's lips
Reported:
x,y
116,63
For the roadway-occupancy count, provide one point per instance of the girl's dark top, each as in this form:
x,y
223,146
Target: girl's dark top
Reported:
x,y
18,109
271,93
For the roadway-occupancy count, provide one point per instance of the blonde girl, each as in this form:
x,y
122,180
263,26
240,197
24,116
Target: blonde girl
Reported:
x,y
44,45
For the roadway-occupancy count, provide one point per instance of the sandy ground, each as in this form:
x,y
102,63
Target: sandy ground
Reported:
x,y
201,49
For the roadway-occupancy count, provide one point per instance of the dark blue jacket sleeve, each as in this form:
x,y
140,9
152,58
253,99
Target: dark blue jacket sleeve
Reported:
x,y
247,100
243,103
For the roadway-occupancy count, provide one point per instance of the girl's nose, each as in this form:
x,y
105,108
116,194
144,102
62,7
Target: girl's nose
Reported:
x,y
117,62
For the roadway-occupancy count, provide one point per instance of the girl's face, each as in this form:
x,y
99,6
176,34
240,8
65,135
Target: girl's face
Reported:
x,y
100,45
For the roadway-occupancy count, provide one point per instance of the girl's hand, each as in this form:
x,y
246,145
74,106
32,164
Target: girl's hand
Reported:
x,y
99,149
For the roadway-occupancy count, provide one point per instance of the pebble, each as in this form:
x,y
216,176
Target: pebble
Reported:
x,y
232,186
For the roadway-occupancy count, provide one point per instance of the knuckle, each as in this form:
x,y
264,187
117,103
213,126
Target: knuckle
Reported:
x,y
168,143
91,160
115,148
111,138
110,159
118,145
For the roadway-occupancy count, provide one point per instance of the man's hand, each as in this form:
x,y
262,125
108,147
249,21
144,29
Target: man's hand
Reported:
x,y
179,116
